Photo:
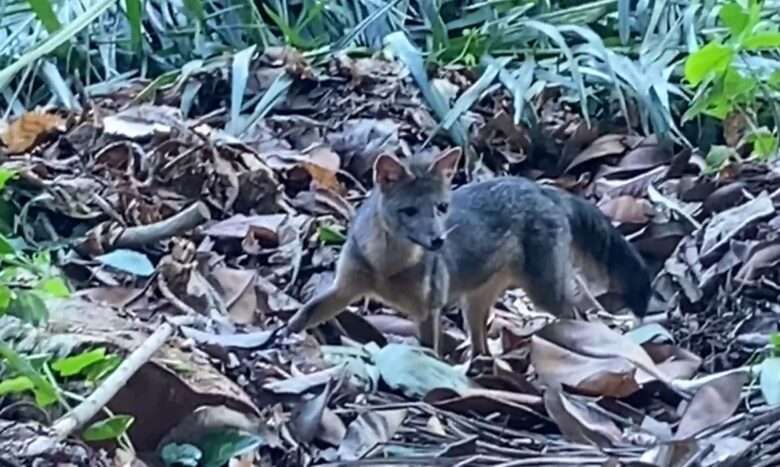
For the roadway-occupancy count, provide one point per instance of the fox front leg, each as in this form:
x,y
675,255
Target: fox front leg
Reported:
x,y
430,332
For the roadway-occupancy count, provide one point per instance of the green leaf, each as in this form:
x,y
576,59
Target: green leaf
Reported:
x,y
45,392
5,176
54,286
736,85
6,296
181,454
103,368
239,75
29,307
330,236
55,40
129,261
415,373
45,14
5,246
734,17
712,58
764,143
16,385
770,380
108,428
775,340
195,8
762,41
74,365
219,447
134,12
648,333
718,156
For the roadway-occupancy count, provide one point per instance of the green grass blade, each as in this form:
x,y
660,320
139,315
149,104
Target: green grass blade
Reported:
x,y
240,75
45,13
275,93
410,56
553,33
55,40
134,19
470,96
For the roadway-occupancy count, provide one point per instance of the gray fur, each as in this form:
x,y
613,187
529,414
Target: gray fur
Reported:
x,y
508,232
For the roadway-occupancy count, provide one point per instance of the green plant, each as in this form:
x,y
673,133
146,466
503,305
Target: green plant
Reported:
x,y
727,81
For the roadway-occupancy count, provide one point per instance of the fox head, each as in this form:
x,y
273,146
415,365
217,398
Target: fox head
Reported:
x,y
414,200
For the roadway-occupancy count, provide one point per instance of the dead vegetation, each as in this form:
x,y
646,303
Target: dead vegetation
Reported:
x,y
153,215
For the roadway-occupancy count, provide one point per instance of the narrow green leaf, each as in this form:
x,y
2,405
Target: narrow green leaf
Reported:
x,y
181,454
712,58
219,447
55,40
45,392
240,75
6,295
470,96
762,41
74,365
108,428
5,246
330,236
16,385
195,8
134,12
29,307
43,10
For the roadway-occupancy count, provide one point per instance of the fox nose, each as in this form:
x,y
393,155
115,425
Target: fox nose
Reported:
x,y
437,243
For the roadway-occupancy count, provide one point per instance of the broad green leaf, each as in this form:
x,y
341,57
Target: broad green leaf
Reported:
x,y
45,14
218,447
718,156
734,17
16,385
712,58
5,246
6,295
181,454
764,143
129,261
108,428
330,236
134,12
74,365
735,85
775,340
770,380
762,41
415,373
195,8
5,176
54,286
45,392
99,370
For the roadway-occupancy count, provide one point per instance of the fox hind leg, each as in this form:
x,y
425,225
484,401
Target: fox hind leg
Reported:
x,y
548,275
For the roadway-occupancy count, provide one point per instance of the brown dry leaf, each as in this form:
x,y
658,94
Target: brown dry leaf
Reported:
x,y
143,122
265,227
627,210
556,365
323,164
307,416
26,131
238,293
712,404
607,145
596,340
579,422
369,430
724,225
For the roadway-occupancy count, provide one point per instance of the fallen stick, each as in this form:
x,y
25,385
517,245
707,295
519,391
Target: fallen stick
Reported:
x,y
183,221
90,406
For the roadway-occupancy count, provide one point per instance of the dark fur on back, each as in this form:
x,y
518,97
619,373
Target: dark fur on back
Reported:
x,y
594,236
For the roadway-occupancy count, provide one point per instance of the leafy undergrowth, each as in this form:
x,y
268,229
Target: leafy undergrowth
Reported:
x,y
247,216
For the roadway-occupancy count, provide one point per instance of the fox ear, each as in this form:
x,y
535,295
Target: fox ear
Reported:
x,y
388,170
445,164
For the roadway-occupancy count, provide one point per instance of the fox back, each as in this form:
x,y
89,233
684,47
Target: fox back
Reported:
x,y
419,246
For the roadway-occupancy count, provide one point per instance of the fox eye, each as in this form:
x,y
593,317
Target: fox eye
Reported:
x,y
410,211
442,207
